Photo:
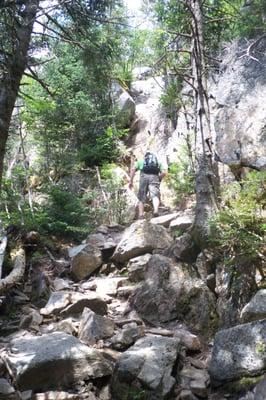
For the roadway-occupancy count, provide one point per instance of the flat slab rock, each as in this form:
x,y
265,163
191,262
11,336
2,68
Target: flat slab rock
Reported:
x,y
53,361
70,303
239,351
146,367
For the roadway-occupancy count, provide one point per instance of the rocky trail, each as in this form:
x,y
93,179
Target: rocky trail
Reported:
x,y
130,317
139,312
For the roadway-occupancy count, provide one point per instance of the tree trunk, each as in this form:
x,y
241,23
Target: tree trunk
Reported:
x,y
16,63
206,178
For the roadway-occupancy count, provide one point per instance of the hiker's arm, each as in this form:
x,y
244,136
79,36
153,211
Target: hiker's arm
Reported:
x,y
132,174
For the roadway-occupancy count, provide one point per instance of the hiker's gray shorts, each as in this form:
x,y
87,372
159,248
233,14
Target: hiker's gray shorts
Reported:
x,y
148,184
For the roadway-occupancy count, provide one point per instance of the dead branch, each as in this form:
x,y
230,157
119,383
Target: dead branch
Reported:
x,y
159,331
251,47
101,186
122,322
17,273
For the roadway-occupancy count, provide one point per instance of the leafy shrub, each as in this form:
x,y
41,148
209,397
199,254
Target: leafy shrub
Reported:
x,y
238,230
66,213
171,96
124,75
181,178
103,150
115,193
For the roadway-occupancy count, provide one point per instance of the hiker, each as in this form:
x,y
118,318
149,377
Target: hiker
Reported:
x,y
151,174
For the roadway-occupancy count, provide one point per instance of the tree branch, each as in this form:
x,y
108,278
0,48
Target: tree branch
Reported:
x,y
34,76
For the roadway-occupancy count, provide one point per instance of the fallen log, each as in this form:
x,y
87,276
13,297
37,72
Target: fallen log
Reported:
x,y
17,273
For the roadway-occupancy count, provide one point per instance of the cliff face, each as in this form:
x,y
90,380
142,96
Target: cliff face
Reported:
x,y
239,106
237,93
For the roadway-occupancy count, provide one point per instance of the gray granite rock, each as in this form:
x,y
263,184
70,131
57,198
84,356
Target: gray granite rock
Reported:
x,y
146,368
140,238
85,259
256,308
239,351
94,327
53,360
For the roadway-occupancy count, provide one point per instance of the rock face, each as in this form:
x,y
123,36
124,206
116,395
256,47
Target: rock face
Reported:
x,y
238,352
54,360
146,369
241,91
85,259
168,292
140,238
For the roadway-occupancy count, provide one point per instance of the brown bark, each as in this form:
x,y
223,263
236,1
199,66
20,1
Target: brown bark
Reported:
x,y
16,63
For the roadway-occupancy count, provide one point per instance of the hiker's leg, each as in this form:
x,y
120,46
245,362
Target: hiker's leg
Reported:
x,y
154,189
156,203
141,209
142,195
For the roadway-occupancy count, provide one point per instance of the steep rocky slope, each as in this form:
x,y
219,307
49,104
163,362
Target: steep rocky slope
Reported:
x,y
133,313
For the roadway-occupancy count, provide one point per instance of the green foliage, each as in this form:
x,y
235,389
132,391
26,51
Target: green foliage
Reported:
x,y
181,177
113,184
252,21
66,213
171,96
238,229
104,149
69,115
123,74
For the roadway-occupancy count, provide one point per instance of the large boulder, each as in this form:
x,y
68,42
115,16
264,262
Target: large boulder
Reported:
x,y
53,360
106,237
94,327
85,259
169,291
256,308
184,249
146,369
124,103
140,238
137,266
239,351
182,222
